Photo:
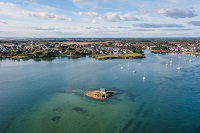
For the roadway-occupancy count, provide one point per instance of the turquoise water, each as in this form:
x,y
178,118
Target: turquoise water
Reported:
x,y
48,95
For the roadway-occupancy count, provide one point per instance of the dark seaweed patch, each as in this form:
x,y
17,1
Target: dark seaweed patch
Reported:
x,y
78,109
140,109
127,125
57,109
137,126
73,91
132,97
146,112
144,129
55,118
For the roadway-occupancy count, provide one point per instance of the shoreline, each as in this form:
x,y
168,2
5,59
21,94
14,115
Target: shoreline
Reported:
x,y
118,56
168,51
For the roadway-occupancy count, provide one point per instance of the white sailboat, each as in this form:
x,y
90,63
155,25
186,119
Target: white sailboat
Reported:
x,y
143,76
166,63
171,61
190,60
121,67
178,67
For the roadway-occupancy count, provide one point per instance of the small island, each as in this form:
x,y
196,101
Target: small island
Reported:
x,y
102,94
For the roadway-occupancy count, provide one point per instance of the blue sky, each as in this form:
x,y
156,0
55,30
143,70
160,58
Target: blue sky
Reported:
x,y
99,18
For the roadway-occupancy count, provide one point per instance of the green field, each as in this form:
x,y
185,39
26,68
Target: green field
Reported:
x,y
119,56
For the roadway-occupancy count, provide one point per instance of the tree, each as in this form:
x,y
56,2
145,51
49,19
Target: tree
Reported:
x,y
37,53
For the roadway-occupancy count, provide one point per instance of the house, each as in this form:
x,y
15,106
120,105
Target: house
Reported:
x,y
102,91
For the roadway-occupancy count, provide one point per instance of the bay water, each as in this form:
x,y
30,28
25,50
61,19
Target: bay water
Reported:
x,y
47,95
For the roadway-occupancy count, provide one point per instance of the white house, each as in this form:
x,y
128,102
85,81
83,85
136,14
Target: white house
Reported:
x,y
102,91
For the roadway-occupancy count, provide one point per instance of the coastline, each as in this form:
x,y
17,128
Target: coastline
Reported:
x,y
118,56
97,57
168,51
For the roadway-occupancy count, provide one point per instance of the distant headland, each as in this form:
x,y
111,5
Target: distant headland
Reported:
x,y
44,48
98,48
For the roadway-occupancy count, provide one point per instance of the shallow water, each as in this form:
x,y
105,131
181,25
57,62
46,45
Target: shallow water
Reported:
x,y
48,96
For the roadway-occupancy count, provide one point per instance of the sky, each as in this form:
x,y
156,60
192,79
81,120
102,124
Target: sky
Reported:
x,y
99,18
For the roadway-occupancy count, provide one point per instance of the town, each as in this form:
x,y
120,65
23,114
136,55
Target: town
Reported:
x,y
23,49
99,49
187,46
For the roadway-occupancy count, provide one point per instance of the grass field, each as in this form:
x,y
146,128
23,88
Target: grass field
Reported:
x,y
120,56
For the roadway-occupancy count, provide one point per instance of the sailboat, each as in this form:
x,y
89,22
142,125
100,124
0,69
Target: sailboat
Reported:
x,y
134,71
190,60
171,61
166,63
128,64
143,76
178,67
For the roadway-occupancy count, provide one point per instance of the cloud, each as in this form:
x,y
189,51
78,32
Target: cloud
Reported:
x,y
142,30
88,14
120,27
78,1
63,18
84,3
114,17
7,4
94,21
45,15
177,13
195,23
90,27
110,16
175,29
9,9
12,10
144,11
42,28
39,14
147,25
2,22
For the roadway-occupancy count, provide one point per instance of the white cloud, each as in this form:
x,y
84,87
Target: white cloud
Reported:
x,y
88,14
177,13
175,29
13,10
2,22
142,30
42,28
9,9
7,4
82,1
94,21
120,27
115,17
110,16
91,27
151,25
45,15
144,11
39,14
